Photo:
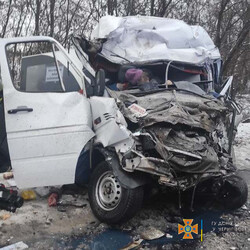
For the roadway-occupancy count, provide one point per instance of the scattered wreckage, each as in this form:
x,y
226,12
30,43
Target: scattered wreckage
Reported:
x,y
66,124
9,199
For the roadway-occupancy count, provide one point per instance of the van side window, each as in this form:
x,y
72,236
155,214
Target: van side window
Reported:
x,y
34,67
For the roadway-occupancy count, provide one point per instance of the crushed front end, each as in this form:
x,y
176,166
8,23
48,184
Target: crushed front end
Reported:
x,y
181,139
174,124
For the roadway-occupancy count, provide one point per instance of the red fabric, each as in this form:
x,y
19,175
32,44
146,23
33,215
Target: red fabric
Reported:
x,y
53,199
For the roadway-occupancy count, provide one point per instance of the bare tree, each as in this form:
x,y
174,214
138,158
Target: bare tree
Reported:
x,y
239,41
52,17
7,18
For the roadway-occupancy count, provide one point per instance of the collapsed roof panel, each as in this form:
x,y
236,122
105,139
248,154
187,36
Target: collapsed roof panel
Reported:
x,y
144,39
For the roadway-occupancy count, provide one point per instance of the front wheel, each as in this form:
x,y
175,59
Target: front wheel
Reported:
x,y
110,202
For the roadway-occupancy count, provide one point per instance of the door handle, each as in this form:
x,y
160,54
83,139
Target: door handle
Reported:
x,y
20,109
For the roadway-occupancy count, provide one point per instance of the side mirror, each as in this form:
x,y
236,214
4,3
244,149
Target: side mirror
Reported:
x,y
217,74
99,83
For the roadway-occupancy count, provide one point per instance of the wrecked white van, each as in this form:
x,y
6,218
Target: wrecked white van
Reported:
x,y
66,120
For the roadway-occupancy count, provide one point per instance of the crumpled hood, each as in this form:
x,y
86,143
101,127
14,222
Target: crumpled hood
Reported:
x,y
172,107
185,129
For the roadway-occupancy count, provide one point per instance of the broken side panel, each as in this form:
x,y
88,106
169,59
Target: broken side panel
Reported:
x,y
109,124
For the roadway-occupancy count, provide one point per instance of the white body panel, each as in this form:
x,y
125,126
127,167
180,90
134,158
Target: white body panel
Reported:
x,y
44,144
111,127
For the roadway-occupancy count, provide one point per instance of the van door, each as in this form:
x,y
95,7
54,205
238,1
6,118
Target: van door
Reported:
x,y
47,114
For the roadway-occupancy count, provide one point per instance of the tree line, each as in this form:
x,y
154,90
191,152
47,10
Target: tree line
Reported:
x,y
227,22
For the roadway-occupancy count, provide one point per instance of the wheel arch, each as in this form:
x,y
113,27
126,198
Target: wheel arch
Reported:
x,y
89,159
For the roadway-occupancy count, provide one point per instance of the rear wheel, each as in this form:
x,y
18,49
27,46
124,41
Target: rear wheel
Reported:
x,y
110,202
233,193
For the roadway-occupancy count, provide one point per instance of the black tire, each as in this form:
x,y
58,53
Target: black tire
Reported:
x,y
233,193
126,203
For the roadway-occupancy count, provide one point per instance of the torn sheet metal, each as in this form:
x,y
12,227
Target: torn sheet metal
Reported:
x,y
108,122
144,38
172,107
186,151
180,133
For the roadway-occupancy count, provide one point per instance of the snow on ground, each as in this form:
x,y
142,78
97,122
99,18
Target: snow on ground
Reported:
x,y
244,101
242,140
242,146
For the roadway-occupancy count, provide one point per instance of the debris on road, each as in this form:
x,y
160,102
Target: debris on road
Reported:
x,y
17,246
69,200
54,195
133,244
169,236
9,199
5,216
53,199
48,221
152,233
7,182
8,175
28,195
42,191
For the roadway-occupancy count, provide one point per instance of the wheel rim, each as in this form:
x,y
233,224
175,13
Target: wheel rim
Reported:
x,y
108,191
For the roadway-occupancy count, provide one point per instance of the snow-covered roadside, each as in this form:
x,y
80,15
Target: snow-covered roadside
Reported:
x,y
242,140
37,223
244,101
242,146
